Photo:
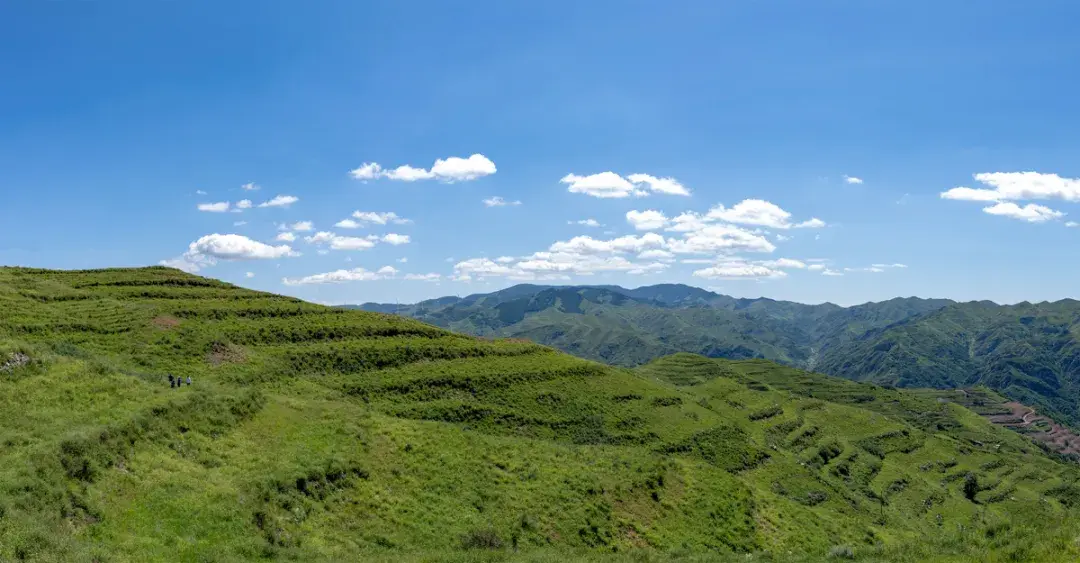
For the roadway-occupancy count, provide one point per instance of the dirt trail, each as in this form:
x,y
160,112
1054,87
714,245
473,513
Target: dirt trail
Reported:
x,y
1021,417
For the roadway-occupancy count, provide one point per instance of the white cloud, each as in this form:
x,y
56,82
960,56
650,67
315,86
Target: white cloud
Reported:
x,y
648,220
505,259
611,185
350,243
815,267
889,265
628,243
280,201
1072,224
1031,212
243,204
286,237
812,223
497,201
347,224
585,223
721,238
784,263
301,226
207,250
219,207
342,276
660,185
200,192
403,260
756,212
1018,186
852,179
249,187
379,218
656,254
249,275
739,270
452,169
395,239
829,272
424,277
338,242
781,238
237,247
239,223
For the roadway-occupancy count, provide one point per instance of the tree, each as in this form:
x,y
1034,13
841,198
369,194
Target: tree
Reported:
x,y
971,486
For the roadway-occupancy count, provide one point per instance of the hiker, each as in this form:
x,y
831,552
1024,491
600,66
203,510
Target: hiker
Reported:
x,y
189,380
171,382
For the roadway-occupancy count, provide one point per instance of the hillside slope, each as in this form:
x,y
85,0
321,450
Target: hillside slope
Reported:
x,y
320,434
1030,352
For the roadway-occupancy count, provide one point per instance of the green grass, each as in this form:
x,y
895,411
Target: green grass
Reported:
x,y
319,434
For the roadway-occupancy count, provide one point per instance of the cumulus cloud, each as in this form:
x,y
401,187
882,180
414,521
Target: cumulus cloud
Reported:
x,y
280,201
249,187
497,201
219,207
815,267
347,224
648,220
1005,188
249,275
207,250
301,226
1072,224
739,271
1016,186
611,185
338,242
785,263
759,212
828,272
342,276
452,169
243,204
659,185
424,277
378,218
585,223
852,179
395,239
1031,212
286,237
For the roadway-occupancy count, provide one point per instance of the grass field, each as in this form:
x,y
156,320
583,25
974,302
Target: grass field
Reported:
x,y
320,434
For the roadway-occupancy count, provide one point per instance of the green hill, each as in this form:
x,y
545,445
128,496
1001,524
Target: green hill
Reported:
x,y
321,434
1029,352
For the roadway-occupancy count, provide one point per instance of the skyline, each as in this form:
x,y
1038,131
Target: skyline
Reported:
x,y
824,153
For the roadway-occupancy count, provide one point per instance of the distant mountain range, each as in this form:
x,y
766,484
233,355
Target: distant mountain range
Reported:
x,y
1029,352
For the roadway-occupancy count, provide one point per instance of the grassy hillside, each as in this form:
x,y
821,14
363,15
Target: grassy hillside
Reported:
x,y
320,434
1029,352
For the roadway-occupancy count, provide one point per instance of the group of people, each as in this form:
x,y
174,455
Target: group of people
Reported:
x,y
178,381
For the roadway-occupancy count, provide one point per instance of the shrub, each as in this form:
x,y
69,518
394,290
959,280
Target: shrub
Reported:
x,y
481,539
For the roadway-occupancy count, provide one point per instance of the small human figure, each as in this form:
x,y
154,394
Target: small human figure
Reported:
x,y
171,381
189,380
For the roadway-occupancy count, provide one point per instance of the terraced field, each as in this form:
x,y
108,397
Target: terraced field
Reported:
x,y
313,433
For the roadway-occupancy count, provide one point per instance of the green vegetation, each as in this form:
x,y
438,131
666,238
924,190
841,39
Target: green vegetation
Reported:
x,y
321,434
1029,352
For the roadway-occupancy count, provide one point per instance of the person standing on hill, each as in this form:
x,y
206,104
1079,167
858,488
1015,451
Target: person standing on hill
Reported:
x,y
189,380
171,382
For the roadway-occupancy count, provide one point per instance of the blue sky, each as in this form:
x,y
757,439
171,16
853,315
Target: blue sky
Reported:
x,y
726,127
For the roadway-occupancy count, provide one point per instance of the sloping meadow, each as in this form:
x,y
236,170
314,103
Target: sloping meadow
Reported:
x,y
312,433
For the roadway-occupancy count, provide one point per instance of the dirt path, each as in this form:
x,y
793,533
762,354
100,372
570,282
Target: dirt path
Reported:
x,y
1059,438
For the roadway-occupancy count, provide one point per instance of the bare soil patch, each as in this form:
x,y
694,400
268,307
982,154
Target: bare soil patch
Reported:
x,y
1025,420
166,322
225,354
